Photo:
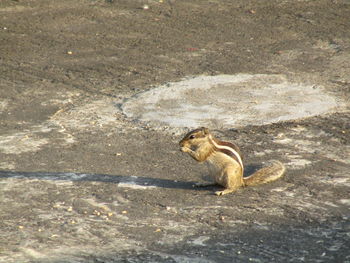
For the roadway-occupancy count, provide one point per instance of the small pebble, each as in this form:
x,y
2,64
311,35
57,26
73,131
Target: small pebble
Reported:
x,y
97,213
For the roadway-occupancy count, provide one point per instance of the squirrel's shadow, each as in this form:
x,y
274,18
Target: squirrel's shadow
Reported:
x,y
136,181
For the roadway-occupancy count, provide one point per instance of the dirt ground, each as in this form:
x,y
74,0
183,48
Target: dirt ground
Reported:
x,y
82,182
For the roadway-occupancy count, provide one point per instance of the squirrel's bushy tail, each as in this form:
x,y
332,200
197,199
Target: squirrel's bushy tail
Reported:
x,y
266,174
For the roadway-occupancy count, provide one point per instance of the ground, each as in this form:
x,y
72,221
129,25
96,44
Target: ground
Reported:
x,y
83,182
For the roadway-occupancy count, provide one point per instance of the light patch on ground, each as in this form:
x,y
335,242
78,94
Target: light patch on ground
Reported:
x,y
306,146
32,139
92,114
299,142
65,253
32,253
344,181
199,241
7,165
16,8
345,201
21,142
229,100
88,115
94,203
308,205
297,161
330,204
284,191
3,105
132,183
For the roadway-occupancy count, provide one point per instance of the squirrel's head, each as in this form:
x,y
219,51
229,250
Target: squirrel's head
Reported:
x,y
194,139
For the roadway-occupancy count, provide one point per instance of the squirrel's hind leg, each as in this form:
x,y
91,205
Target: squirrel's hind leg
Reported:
x,y
232,180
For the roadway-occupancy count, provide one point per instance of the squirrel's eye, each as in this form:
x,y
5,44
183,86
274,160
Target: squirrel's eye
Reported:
x,y
192,137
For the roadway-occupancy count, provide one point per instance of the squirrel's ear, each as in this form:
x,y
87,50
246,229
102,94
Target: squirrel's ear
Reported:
x,y
205,130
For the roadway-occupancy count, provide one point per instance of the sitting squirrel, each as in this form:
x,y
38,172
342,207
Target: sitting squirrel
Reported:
x,y
226,166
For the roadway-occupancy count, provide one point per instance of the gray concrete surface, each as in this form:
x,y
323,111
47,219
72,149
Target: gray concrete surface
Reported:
x,y
226,101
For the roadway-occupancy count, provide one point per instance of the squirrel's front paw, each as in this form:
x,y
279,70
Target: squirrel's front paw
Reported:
x,y
185,149
224,192
218,193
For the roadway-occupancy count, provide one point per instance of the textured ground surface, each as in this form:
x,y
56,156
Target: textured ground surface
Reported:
x,y
82,182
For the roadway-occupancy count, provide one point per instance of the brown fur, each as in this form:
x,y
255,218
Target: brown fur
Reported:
x,y
225,161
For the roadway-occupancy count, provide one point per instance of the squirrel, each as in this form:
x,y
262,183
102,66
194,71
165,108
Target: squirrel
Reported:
x,y
225,162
